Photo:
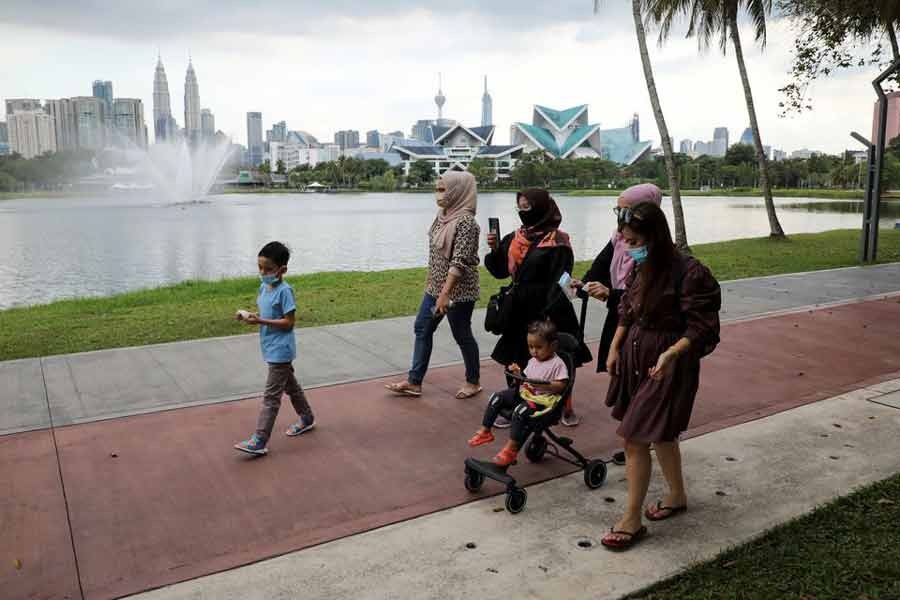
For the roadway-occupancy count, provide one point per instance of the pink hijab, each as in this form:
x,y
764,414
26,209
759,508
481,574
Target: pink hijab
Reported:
x,y
622,264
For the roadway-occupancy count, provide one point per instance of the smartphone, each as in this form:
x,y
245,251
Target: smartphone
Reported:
x,y
494,226
565,283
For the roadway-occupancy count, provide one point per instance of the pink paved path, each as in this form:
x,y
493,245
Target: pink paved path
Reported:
x,y
176,502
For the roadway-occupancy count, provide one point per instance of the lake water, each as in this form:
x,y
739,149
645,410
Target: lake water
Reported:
x,y
69,247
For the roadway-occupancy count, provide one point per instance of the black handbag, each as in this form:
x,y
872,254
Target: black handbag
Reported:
x,y
500,309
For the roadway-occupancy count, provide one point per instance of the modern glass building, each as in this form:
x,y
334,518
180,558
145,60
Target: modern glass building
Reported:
x,y
569,134
255,138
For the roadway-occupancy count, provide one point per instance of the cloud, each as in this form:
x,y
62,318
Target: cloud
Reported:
x,y
165,19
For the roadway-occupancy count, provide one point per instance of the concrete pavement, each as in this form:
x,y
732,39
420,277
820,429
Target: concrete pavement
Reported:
x,y
85,387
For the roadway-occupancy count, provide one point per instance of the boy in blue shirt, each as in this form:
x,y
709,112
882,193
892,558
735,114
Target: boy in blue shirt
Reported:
x,y
276,340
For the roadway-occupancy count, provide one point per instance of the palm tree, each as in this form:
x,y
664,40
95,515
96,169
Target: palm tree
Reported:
x,y
637,7
718,18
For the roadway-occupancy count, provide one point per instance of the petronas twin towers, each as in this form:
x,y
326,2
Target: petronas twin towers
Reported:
x,y
164,125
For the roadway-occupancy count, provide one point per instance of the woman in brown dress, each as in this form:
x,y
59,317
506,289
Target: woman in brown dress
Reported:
x,y
669,319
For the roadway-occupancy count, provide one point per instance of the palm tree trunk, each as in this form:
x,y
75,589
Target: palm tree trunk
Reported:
x,y
892,36
774,226
669,155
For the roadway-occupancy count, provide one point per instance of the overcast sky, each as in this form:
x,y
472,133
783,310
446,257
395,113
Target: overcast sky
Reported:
x,y
365,64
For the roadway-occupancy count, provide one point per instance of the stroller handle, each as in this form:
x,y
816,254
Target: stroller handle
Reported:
x,y
523,379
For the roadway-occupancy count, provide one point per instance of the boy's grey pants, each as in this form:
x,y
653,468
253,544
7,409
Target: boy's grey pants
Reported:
x,y
281,380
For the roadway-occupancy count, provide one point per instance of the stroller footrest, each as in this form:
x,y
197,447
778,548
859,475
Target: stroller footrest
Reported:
x,y
490,470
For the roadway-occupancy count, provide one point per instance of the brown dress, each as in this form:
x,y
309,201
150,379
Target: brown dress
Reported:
x,y
659,411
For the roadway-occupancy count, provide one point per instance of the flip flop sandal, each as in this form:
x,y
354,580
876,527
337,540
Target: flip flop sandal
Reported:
x,y
619,545
401,391
461,395
652,513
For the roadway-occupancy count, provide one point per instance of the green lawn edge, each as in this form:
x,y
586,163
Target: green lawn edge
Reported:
x,y
204,309
846,549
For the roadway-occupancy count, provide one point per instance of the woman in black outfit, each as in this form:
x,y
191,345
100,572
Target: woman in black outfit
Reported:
x,y
535,256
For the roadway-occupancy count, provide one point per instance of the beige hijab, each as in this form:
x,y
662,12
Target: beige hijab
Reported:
x,y
459,199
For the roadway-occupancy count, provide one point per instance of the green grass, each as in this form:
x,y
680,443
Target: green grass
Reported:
x,y
37,194
200,309
826,194
847,549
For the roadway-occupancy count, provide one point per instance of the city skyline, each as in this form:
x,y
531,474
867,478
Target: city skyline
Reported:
x,y
245,70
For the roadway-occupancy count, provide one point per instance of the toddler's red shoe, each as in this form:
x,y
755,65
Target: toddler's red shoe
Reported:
x,y
506,457
480,438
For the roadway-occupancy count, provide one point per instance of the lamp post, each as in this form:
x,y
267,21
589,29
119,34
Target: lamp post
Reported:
x,y
867,225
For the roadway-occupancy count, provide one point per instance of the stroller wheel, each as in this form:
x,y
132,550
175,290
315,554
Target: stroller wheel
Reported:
x,y
515,500
594,474
474,479
536,448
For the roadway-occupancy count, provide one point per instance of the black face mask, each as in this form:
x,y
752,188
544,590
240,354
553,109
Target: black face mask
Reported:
x,y
529,217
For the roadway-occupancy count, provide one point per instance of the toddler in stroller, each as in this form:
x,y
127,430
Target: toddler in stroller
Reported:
x,y
534,406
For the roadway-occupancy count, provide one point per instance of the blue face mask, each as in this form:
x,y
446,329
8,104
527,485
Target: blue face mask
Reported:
x,y
638,254
269,279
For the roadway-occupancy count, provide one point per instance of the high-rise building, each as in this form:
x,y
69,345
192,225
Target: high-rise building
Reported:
x,y
191,104
686,146
207,125
31,133
104,90
279,131
254,138
778,155
65,123
373,139
720,141
701,148
90,122
440,99
422,131
487,107
348,138
747,137
24,104
4,133
164,126
129,130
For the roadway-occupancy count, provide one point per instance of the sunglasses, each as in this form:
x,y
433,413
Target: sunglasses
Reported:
x,y
625,215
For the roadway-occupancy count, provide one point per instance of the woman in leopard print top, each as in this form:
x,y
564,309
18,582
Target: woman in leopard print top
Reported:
x,y
452,285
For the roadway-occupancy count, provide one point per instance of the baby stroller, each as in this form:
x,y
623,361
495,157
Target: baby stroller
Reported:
x,y
541,438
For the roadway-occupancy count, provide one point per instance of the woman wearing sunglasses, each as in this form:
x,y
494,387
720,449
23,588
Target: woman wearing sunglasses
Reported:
x,y
606,278
668,320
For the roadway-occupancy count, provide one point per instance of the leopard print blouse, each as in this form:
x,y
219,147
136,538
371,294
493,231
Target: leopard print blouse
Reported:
x,y
463,262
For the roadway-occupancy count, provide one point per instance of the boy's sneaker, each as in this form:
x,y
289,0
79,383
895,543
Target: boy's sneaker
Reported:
x,y
570,420
502,422
301,426
255,445
480,438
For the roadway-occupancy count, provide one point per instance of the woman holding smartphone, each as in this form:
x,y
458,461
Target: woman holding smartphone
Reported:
x,y
535,256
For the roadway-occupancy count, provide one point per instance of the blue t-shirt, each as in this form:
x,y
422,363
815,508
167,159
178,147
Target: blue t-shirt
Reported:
x,y
277,345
